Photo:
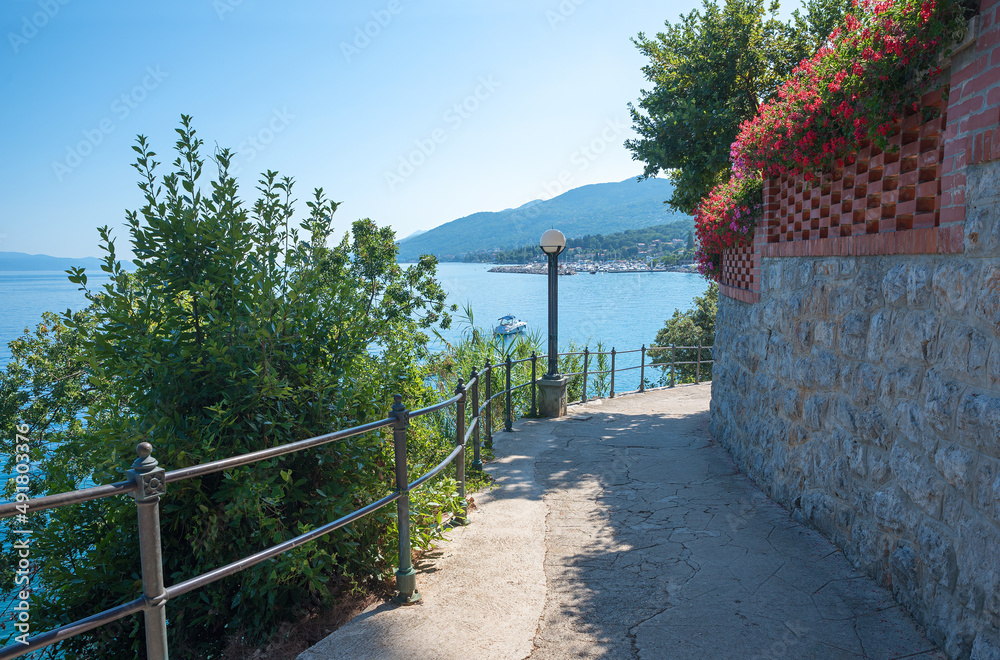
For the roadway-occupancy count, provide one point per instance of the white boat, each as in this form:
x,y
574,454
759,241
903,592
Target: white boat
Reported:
x,y
509,325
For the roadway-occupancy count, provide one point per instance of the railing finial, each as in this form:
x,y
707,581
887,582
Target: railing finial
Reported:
x,y
145,462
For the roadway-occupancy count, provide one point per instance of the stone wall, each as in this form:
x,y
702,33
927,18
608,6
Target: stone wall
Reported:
x,y
863,393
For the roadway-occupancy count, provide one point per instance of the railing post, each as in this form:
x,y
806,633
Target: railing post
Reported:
x,y
508,422
488,373
150,486
406,577
612,373
477,461
642,369
673,365
586,362
534,408
697,369
462,518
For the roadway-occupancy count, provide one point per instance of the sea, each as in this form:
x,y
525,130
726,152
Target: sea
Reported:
x,y
620,310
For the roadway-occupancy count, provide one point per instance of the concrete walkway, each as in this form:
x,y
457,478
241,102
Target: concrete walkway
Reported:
x,y
625,531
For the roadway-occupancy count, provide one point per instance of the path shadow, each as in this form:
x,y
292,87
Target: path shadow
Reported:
x,y
659,547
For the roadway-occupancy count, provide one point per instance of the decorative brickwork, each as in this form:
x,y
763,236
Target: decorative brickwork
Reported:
x,y
881,191
909,199
741,274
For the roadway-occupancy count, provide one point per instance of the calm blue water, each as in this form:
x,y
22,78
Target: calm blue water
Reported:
x,y
623,310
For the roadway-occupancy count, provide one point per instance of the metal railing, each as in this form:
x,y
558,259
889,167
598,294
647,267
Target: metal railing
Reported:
x,y
147,482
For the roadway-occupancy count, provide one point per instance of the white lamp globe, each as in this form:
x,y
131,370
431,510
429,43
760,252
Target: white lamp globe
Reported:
x,y
553,241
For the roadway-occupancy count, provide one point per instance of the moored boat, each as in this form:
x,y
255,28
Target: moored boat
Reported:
x,y
510,325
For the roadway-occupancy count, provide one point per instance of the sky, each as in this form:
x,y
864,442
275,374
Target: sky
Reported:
x,y
410,113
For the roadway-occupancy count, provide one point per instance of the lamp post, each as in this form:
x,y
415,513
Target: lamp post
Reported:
x,y
553,242
552,388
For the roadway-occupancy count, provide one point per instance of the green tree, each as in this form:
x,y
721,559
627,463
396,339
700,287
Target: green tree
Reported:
x,y
234,334
710,71
694,327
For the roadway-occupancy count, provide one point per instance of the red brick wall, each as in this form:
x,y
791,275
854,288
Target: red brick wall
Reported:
x,y
906,200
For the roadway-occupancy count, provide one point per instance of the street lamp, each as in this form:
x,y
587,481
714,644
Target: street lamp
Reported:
x,y
552,243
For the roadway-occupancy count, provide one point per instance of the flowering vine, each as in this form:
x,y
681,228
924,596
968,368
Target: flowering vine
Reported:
x,y
871,70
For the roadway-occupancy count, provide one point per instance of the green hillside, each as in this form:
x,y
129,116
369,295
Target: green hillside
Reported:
x,y
655,240
601,208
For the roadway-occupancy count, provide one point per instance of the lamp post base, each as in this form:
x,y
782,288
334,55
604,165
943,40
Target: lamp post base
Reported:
x,y
552,396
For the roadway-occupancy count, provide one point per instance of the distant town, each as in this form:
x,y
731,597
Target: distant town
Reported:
x,y
659,248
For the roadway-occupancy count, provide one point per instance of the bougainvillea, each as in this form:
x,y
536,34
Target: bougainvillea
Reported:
x,y
873,68
726,218
879,61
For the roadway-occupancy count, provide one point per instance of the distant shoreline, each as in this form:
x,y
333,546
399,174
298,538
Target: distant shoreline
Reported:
x,y
571,269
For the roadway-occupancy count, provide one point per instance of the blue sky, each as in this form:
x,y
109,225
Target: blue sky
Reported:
x,y
410,113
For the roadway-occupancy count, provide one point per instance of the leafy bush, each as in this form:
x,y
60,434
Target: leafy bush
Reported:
x,y
233,335
694,327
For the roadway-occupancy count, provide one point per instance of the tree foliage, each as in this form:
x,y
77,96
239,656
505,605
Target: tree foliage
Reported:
x,y
234,334
694,327
710,71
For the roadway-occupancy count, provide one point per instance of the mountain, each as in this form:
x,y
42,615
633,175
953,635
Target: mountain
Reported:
x,y
600,208
24,261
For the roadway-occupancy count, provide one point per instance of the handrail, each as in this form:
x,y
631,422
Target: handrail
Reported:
x,y
147,483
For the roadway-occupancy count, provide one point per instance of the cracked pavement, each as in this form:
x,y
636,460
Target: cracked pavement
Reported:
x,y
625,531
658,547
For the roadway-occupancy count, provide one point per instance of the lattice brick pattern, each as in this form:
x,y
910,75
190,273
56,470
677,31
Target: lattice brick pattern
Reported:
x,y
897,189
739,268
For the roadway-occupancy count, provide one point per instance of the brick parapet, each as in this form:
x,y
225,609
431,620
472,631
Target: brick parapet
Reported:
x,y
910,199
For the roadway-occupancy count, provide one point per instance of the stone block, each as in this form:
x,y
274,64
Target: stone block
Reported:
x,y
956,464
941,403
881,339
864,382
872,545
980,347
825,333
954,285
922,484
982,234
987,489
904,383
892,510
826,268
802,332
937,552
878,467
985,647
854,334
841,301
988,299
993,367
820,510
868,289
979,423
854,454
918,285
978,546
848,267
814,411
826,369
905,567
818,301
894,285
952,352
918,333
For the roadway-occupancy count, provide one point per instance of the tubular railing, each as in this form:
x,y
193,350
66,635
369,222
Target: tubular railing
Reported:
x,y
147,482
